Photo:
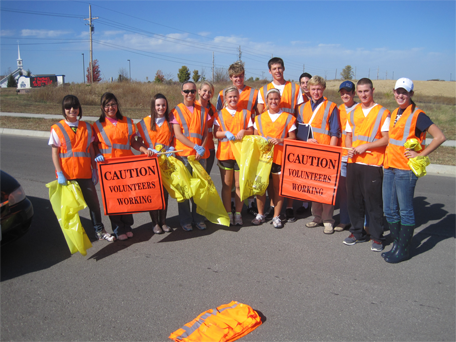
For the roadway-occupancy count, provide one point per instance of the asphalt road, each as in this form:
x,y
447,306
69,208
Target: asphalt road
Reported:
x,y
307,286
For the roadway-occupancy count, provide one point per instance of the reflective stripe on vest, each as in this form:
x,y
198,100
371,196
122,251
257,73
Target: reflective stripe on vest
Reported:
x,y
322,129
293,93
250,103
149,141
185,126
372,138
283,133
107,142
351,111
197,324
222,122
69,147
405,134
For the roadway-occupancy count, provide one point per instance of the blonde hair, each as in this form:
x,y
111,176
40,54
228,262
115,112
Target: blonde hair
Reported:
x,y
317,80
271,91
236,69
229,90
202,84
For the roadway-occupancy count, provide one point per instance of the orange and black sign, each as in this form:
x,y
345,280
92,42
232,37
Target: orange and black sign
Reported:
x,y
131,185
310,171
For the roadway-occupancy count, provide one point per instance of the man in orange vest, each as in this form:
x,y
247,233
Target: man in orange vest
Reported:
x,y
303,80
189,121
367,135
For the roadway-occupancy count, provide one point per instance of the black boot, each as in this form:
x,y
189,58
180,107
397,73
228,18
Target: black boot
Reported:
x,y
394,231
402,252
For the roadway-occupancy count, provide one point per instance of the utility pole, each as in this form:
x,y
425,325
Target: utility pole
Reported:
x,y
213,66
83,69
91,29
129,67
378,71
303,68
240,54
386,75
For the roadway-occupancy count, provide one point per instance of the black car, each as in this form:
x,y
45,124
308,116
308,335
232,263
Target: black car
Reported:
x,y
15,208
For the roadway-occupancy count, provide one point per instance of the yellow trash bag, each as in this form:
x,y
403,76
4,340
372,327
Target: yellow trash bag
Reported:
x,y
236,148
255,165
175,178
205,195
419,163
66,201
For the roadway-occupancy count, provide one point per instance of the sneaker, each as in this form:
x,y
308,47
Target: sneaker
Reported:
x,y
351,240
187,227
259,219
238,220
103,235
341,227
129,234
252,210
122,237
270,213
200,225
289,215
376,246
328,228
277,222
230,215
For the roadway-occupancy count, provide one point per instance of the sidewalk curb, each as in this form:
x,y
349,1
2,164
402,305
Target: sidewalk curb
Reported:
x,y
442,170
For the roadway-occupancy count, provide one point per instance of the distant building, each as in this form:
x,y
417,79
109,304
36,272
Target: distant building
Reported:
x,y
16,73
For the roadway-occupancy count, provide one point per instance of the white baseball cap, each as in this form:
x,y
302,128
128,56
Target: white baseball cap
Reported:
x,y
405,83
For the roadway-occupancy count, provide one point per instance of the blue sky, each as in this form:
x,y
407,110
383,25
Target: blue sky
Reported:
x,y
415,39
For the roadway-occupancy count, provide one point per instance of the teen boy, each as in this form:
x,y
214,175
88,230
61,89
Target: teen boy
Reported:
x,y
247,95
367,134
303,81
323,117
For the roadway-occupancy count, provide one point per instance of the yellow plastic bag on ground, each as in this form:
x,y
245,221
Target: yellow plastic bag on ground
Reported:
x,y
175,178
419,163
255,165
205,195
66,201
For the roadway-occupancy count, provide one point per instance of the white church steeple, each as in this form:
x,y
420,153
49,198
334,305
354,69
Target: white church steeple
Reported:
x,y
19,60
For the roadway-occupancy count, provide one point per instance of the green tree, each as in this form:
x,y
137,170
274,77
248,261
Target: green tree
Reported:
x,y
11,82
196,76
159,77
347,73
183,74
28,73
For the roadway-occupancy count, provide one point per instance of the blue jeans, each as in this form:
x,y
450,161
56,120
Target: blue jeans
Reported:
x,y
185,215
398,191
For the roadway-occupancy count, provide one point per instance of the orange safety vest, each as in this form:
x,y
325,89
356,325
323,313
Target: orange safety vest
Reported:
x,y
192,125
114,140
343,116
320,123
210,135
289,98
276,129
365,130
398,135
163,135
74,150
247,99
228,322
305,98
234,124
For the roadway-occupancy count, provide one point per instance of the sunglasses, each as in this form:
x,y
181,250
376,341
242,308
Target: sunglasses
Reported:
x,y
193,91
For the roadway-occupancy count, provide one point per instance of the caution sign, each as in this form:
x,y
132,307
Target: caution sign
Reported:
x,y
131,185
310,172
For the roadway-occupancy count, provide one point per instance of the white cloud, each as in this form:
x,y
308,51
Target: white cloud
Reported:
x,y
43,33
328,45
6,33
204,34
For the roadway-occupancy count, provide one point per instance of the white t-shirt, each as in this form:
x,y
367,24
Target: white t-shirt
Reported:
x,y
280,88
159,121
233,112
274,117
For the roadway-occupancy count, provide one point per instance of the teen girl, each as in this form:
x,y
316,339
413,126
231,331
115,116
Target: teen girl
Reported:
x,y
206,92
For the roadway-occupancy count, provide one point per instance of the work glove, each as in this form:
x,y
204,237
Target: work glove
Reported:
x,y
61,178
94,176
99,158
199,149
170,149
229,135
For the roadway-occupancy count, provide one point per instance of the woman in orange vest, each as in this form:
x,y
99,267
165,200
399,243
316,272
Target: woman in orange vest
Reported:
x,y
158,135
231,124
274,125
115,135
407,122
72,155
206,92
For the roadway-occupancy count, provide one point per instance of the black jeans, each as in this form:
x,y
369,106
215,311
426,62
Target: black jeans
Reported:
x,y
364,195
91,198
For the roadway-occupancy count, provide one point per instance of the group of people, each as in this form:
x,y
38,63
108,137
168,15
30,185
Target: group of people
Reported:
x,y
375,176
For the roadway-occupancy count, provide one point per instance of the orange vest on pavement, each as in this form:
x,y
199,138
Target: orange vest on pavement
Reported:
x,y
368,129
192,125
228,322
233,124
163,135
320,122
247,99
114,140
398,135
343,116
74,150
289,98
276,129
